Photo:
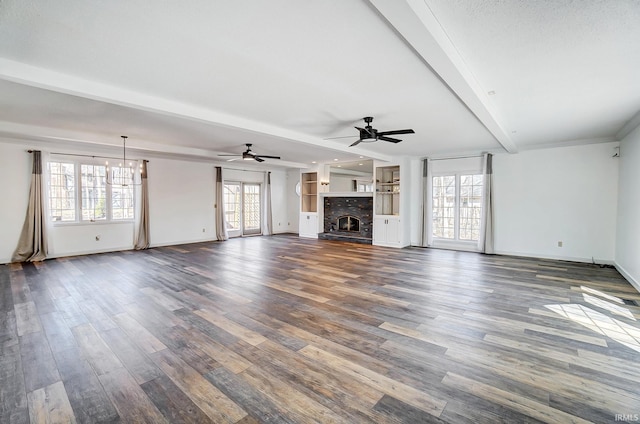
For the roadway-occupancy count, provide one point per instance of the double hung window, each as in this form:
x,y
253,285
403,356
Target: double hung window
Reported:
x,y
79,192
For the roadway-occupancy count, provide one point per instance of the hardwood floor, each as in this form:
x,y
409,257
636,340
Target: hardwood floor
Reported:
x,y
287,330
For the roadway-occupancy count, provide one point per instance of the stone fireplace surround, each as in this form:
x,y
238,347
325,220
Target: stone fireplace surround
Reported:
x,y
336,207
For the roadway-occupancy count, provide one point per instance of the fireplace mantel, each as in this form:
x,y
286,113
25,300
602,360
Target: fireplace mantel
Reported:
x,y
347,194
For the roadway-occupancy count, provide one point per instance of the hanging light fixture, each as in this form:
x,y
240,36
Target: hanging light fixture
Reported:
x,y
127,172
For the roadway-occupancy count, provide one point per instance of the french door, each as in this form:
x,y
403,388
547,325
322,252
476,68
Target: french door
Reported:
x,y
242,208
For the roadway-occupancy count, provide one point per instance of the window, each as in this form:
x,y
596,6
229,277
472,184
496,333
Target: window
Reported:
x,y
79,192
62,191
457,206
364,186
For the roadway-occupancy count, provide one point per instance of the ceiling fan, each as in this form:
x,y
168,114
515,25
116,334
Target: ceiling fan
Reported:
x,y
249,155
368,134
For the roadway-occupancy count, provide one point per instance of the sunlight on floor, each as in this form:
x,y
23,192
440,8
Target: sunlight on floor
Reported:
x,y
614,309
617,330
602,294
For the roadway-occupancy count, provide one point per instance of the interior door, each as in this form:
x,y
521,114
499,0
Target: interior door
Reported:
x,y
251,209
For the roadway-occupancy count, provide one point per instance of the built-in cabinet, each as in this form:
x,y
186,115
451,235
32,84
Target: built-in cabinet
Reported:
x,y
389,214
308,226
391,184
386,231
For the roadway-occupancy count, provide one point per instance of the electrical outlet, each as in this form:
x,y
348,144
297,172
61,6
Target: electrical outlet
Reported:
x,y
559,244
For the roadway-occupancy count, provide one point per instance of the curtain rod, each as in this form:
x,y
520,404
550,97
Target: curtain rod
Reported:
x,y
458,157
86,156
246,170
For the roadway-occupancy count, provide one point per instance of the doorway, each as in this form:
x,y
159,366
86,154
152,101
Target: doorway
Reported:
x,y
242,208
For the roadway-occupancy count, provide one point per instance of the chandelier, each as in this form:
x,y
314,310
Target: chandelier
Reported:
x,y
124,174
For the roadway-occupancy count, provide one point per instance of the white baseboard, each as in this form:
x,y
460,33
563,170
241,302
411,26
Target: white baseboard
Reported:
x,y
557,257
628,276
177,243
88,252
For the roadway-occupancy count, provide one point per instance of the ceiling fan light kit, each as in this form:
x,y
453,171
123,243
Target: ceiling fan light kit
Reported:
x,y
249,155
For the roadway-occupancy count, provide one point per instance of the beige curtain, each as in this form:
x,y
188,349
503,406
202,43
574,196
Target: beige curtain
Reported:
x,y
485,241
32,245
269,218
221,224
142,237
427,205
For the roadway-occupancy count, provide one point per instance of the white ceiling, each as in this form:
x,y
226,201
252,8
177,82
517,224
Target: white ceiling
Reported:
x,y
201,78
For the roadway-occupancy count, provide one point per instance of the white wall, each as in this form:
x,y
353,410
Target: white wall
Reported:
x,y
563,194
293,200
628,232
279,207
181,202
341,183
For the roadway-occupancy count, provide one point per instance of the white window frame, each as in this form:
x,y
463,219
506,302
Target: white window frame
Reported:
x,y
455,241
78,194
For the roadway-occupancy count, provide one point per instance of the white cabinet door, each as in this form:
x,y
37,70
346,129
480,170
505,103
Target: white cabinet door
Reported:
x,y
308,225
393,231
386,231
379,230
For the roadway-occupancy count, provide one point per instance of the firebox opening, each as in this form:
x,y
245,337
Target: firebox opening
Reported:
x,y
348,223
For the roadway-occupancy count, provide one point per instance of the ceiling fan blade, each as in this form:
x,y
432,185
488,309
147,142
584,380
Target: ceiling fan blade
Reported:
x,y
392,140
344,136
394,132
268,157
356,143
229,155
257,159
231,160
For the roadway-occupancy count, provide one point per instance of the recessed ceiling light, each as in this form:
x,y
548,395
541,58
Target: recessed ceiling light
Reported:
x,y
313,161
491,93
361,157
336,160
360,164
339,166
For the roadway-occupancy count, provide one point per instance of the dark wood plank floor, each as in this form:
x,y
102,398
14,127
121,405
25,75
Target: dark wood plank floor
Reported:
x,y
287,330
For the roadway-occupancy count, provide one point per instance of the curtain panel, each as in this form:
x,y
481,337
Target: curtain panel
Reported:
x,y
486,238
426,239
221,224
267,204
142,236
32,245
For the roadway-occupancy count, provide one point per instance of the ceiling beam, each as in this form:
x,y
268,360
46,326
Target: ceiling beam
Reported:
x,y
67,84
414,22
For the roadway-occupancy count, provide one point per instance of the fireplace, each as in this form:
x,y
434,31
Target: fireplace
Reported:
x,y
348,218
349,223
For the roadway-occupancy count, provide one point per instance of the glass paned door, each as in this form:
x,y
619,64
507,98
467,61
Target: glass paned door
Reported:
x,y
232,208
251,209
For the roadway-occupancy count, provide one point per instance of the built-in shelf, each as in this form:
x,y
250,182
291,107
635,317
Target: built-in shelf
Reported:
x,y
309,192
388,190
